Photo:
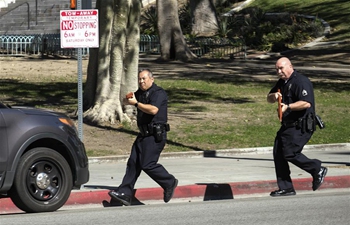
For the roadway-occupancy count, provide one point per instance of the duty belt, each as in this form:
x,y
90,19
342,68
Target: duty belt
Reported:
x,y
292,124
148,129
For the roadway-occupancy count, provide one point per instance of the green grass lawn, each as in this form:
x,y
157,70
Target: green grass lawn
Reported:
x,y
208,114
247,121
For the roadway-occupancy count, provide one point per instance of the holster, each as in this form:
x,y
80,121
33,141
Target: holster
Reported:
x,y
310,124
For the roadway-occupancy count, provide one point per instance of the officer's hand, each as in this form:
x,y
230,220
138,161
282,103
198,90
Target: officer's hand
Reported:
x,y
129,99
132,100
284,107
277,95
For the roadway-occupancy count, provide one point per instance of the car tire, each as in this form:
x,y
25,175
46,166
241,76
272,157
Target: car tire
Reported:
x,y
43,181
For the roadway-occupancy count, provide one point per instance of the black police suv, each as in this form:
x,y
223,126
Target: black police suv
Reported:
x,y
41,158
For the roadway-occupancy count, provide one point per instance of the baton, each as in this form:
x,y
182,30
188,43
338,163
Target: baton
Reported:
x,y
279,106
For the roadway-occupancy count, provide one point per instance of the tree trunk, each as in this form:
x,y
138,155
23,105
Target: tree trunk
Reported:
x,y
204,20
112,68
172,42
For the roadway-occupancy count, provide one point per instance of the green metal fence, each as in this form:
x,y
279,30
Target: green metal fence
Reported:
x,y
216,47
149,44
49,44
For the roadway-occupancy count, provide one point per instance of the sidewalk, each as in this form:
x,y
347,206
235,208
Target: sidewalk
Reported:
x,y
223,174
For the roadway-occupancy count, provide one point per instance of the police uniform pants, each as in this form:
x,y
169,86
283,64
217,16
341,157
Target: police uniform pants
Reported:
x,y
144,156
289,143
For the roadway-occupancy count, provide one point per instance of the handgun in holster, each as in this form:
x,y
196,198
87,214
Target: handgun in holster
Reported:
x,y
158,132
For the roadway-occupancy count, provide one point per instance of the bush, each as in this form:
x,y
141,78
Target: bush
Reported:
x,y
273,32
260,31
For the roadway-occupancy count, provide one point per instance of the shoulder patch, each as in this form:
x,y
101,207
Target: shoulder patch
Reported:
x,y
304,93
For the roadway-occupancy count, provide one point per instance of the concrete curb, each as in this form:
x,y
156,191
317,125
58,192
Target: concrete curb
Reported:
x,y
206,191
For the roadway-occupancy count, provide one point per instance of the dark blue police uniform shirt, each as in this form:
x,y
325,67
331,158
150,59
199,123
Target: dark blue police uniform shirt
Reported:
x,y
297,88
157,97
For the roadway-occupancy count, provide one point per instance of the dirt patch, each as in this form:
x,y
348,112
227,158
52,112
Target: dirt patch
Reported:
x,y
113,139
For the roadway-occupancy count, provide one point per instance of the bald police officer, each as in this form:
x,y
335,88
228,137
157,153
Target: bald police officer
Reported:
x,y
297,127
151,102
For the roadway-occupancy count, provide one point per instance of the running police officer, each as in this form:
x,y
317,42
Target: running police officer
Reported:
x,y
151,102
298,125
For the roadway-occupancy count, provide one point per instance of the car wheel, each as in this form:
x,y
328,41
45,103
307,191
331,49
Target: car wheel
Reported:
x,y
43,181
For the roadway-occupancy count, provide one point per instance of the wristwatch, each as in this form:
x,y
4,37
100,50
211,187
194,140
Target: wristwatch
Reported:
x,y
136,104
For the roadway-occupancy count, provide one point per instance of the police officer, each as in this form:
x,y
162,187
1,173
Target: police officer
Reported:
x,y
298,125
151,102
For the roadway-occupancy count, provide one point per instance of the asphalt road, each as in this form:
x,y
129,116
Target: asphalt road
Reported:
x,y
325,208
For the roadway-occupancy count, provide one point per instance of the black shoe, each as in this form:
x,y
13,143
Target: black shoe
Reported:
x,y
286,192
318,178
169,192
121,197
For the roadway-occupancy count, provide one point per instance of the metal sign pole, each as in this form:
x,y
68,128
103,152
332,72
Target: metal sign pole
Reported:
x,y
80,87
79,29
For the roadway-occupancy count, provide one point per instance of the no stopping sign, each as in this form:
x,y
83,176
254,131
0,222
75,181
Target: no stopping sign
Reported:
x,y
79,28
